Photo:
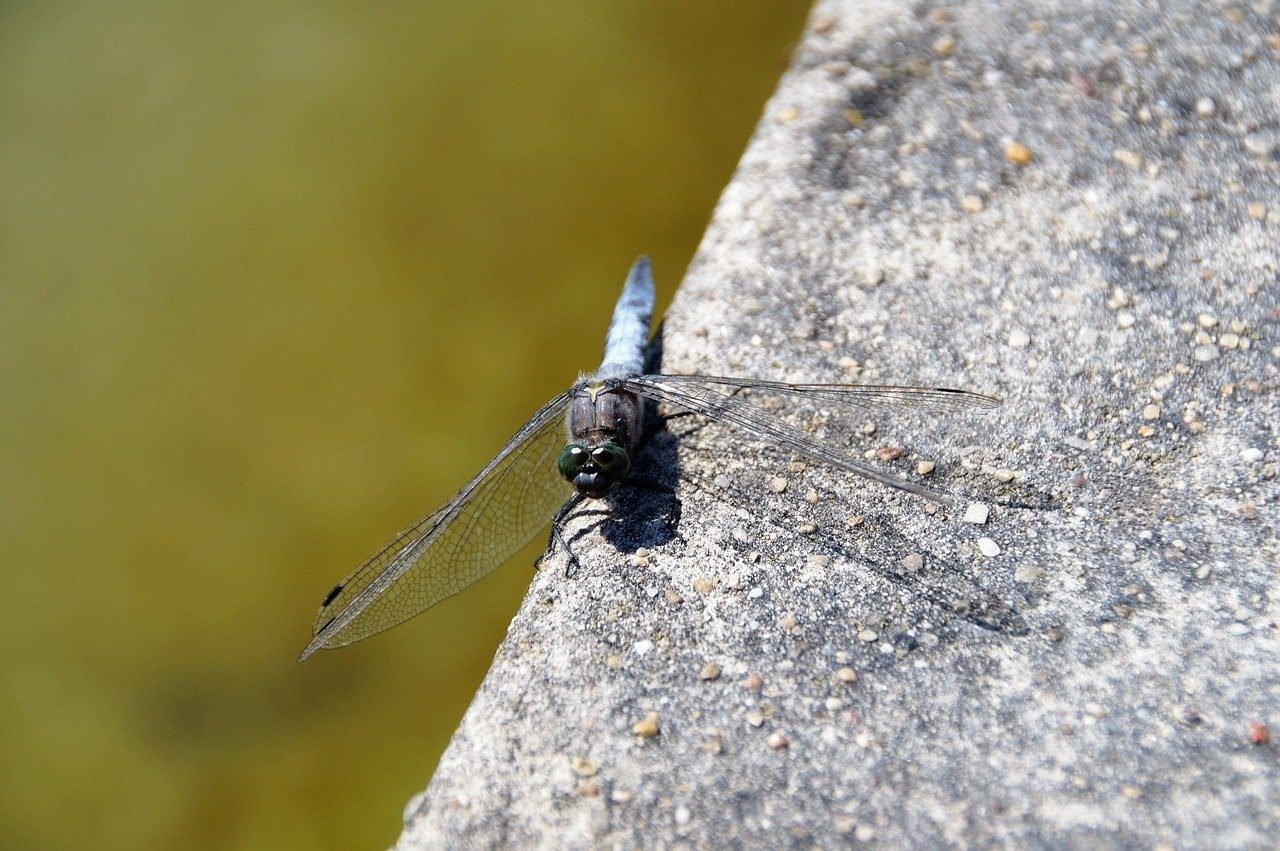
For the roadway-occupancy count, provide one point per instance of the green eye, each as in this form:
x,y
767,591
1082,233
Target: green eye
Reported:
x,y
613,459
571,459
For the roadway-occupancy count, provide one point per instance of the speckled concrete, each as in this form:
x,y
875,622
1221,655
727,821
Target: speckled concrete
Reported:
x,y
1074,206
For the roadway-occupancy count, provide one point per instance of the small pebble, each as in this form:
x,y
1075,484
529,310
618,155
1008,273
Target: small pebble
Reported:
x,y
755,718
864,833
807,528
621,796
890,453
1252,455
913,563
1128,159
873,275
642,647
811,497
924,468
1019,339
977,513
1258,145
1229,341
988,547
1017,153
867,635
1151,412
647,728
1207,320
710,671
777,741
753,682
1205,353
1005,475
847,675
1125,319
1257,210
971,204
583,767
944,45
683,815
703,585
1028,573
778,484
1258,733
1205,107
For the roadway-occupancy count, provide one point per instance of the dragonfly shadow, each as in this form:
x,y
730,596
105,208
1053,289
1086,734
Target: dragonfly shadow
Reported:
x,y
924,575
943,581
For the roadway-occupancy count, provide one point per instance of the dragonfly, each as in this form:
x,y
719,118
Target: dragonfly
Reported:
x,y
578,447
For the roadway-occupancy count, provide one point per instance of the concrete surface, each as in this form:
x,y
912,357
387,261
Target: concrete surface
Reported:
x,y
1072,205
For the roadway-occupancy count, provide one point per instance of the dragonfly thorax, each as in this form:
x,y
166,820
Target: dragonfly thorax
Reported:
x,y
604,426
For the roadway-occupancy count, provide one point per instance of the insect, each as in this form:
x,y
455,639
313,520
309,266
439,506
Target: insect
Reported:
x,y
539,476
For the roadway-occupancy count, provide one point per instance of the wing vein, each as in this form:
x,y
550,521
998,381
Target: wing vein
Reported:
x,y
719,406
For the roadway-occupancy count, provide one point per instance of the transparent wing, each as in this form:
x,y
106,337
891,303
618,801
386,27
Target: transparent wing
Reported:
x,y
695,395
871,396
482,526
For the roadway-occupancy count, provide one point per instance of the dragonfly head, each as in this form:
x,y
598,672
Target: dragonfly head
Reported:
x,y
593,470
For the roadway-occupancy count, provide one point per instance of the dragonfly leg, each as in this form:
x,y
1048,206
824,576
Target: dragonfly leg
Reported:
x,y
557,536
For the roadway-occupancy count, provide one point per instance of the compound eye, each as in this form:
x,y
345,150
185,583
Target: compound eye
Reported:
x,y
613,459
571,459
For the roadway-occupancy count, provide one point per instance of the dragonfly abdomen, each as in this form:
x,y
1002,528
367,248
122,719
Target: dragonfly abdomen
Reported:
x,y
628,335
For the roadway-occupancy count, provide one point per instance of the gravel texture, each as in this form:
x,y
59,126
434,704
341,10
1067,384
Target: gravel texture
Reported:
x,y
1074,206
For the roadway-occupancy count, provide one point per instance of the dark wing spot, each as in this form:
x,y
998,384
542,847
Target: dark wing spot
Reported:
x,y
328,598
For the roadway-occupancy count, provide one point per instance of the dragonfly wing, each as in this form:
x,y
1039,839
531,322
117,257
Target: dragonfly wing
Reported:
x,y
871,396
482,526
702,399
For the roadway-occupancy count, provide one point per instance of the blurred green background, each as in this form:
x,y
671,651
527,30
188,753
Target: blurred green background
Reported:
x,y
274,282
